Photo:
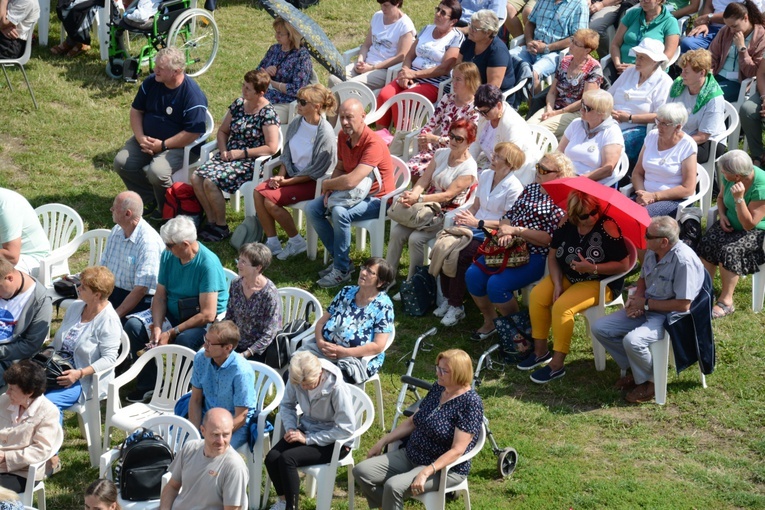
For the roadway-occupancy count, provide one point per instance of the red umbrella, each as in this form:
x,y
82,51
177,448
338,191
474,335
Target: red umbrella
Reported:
x,y
633,219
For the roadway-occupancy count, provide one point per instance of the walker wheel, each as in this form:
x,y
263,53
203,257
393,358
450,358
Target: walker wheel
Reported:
x,y
508,458
114,68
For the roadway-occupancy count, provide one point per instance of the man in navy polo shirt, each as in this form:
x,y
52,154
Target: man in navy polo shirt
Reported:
x,y
167,114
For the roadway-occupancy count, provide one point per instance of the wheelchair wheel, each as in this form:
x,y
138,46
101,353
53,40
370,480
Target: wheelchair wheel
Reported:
x,y
195,33
508,458
114,68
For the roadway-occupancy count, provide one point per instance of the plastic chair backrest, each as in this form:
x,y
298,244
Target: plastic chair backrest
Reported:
x,y
543,138
60,223
173,429
267,382
414,110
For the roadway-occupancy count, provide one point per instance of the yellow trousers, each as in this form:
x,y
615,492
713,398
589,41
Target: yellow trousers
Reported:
x,y
544,313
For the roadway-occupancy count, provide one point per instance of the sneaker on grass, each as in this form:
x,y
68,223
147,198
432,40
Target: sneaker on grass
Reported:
x,y
533,361
275,247
453,315
546,374
334,278
442,308
293,248
324,272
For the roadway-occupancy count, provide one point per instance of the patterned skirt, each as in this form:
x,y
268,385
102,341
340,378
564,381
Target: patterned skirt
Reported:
x,y
228,176
739,252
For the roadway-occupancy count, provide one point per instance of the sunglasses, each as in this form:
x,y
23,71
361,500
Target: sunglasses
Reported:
x,y
650,237
544,171
458,139
587,109
169,246
588,215
483,113
441,11
302,102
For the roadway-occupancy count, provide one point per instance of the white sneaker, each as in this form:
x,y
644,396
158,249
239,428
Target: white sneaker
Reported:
x,y
293,248
324,272
396,296
280,504
334,278
276,248
442,308
453,316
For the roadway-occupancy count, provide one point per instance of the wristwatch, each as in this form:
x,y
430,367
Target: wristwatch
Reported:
x,y
419,199
739,200
547,49
645,306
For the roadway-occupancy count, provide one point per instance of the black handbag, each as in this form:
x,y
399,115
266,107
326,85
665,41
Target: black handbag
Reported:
x,y
188,308
277,353
54,364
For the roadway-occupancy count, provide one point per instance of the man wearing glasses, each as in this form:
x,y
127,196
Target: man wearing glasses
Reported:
x,y
670,279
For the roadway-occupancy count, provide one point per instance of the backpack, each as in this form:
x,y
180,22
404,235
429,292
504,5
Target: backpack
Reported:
x,y
418,294
181,200
277,353
690,226
144,458
249,231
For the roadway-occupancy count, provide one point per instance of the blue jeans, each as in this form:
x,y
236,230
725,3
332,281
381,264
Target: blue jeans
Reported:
x,y
543,65
500,287
699,42
64,398
336,236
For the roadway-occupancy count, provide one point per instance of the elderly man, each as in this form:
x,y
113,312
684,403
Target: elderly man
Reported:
x,y
359,151
210,472
132,253
167,114
551,25
222,378
25,315
191,292
670,279
23,239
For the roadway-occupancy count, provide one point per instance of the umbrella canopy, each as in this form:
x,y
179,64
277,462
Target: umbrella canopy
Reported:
x,y
633,219
317,42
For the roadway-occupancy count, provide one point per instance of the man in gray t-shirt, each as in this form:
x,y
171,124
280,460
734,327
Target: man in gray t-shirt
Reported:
x,y
211,473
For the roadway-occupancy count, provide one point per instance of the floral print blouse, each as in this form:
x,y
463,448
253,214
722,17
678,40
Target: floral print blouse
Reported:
x,y
258,317
292,68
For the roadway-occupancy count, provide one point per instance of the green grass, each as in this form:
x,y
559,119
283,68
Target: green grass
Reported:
x,y
580,445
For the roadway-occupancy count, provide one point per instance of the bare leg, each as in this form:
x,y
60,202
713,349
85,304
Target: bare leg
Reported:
x,y
283,217
540,347
269,227
198,183
711,268
508,307
729,281
217,203
486,308
557,361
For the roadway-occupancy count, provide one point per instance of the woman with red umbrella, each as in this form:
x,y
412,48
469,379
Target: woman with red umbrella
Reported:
x,y
588,248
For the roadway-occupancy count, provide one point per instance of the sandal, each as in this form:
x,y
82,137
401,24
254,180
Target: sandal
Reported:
x,y
78,49
642,393
626,383
62,49
724,310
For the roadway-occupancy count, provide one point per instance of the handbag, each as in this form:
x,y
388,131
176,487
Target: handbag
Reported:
x,y
514,332
496,258
277,353
188,308
54,365
66,287
420,216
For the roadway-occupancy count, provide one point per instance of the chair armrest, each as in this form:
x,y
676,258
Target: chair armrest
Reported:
x,y
393,72
410,142
56,256
270,166
517,41
518,86
297,340
351,54
627,190
105,463
207,150
165,480
712,215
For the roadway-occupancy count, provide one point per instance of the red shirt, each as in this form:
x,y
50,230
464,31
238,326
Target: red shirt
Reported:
x,y
371,150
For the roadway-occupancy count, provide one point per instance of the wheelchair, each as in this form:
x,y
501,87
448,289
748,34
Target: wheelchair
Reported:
x,y
177,23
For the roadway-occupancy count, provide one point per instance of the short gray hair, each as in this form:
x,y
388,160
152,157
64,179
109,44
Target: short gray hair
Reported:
x,y
172,57
486,21
178,230
667,226
304,367
257,254
736,162
674,113
131,201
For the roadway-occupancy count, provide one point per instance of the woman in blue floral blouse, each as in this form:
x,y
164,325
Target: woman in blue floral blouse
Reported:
x,y
357,324
288,63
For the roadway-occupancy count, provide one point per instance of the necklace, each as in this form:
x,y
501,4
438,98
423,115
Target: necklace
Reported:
x,y
18,291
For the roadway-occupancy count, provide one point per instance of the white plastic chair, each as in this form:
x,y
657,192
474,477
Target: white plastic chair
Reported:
x,y
436,500
619,172
294,303
173,381
413,111
268,383
89,413
182,175
375,379
731,122
445,86
324,475
594,313
61,225
21,61
37,487
96,241
747,87
660,352
173,429
354,89
543,138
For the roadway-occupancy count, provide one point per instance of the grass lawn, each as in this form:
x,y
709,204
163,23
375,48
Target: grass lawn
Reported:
x,y
580,444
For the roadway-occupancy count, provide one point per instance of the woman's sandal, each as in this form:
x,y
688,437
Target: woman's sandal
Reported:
x,y
78,49
62,49
725,310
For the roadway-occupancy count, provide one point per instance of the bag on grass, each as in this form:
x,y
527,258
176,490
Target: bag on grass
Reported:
x,y
249,231
277,352
181,200
144,458
418,294
514,332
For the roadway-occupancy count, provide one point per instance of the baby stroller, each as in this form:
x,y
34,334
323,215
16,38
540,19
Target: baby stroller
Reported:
x,y
177,23
507,458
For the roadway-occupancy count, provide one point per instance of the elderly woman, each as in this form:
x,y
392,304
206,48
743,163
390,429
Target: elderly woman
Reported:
x,y
487,51
458,104
586,249
735,242
288,63
534,217
577,73
501,123
253,302
317,386
738,47
89,337
16,23
698,91
102,495
191,292
250,129
429,60
649,19
357,324
445,427
447,181
308,154
594,143
665,173
638,93
389,38
29,425
497,191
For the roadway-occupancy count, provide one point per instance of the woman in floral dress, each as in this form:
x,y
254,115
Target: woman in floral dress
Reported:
x,y
249,130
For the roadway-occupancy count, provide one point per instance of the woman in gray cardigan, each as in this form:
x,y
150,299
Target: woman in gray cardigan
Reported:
x,y
308,154
89,337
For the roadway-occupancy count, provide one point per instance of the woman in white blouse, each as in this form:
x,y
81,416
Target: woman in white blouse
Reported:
x,y
666,169
390,35
594,142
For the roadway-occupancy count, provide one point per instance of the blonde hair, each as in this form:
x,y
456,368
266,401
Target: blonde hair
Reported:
x,y
460,365
600,101
471,74
295,38
578,203
562,163
699,60
304,367
511,154
98,279
316,93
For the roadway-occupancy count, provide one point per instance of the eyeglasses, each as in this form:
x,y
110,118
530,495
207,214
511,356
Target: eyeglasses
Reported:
x,y
442,12
302,102
442,371
587,109
587,215
664,124
473,28
544,171
244,263
650,237
458,139
576,43
368,269
485,112
169,246
207,342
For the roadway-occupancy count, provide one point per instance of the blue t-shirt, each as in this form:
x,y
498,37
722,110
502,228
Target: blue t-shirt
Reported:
x,y
496,55
167,112
203,273
228,386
